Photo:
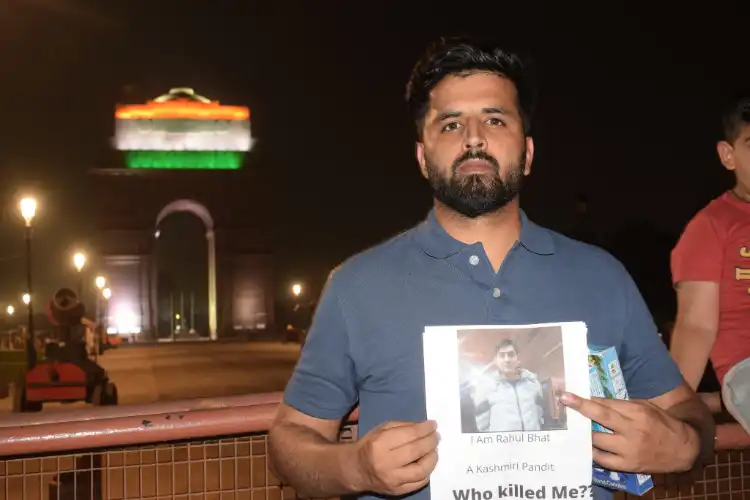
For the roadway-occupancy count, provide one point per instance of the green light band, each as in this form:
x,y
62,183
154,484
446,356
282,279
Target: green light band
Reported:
x,y
185,160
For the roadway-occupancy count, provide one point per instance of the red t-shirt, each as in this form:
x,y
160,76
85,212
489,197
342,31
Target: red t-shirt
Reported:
x,y
715,246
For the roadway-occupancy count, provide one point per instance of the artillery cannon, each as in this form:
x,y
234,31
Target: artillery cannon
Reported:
x,y
65,374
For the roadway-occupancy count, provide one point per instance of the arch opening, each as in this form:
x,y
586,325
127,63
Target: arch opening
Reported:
x,y
179,305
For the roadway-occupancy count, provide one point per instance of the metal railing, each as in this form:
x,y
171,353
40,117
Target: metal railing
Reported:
x,y
217,449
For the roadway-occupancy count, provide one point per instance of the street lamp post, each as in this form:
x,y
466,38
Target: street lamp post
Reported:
x,y
100,281
28,212
296,292
79,260
107,294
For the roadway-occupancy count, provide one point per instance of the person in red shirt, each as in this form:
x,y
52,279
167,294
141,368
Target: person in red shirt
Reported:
x,y
711,274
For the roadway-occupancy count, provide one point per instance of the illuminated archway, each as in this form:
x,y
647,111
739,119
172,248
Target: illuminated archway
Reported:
x,y
204,215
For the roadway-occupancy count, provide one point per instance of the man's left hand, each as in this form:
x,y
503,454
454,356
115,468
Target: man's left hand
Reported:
x,y
646,438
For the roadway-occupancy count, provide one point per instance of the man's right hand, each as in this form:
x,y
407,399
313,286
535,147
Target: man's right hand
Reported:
x,y
397,458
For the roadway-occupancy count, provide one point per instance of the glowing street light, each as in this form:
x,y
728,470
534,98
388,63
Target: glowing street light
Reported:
x,y
297,289
26,298
107,293
100,281
79,260
11,310
28,210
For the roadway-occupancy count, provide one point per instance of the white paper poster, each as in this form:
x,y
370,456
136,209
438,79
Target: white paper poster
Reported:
x,y
494,393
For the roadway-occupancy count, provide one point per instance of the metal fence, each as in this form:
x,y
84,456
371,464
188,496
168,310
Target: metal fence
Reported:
x,y
225,468
214,449
727,479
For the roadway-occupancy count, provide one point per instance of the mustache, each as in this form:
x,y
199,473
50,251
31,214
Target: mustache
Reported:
x,y
476,154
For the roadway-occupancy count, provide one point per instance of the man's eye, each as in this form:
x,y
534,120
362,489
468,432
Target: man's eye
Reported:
x,y
450,126
495,121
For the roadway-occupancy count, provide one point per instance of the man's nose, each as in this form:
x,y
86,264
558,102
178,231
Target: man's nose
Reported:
x,y
474,136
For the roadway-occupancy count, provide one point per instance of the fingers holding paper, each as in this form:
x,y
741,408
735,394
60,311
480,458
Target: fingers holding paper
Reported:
x,y
644,439
398,457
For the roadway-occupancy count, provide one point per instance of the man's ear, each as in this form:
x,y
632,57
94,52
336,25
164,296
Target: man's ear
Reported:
x,y
529,156
726,154
420,159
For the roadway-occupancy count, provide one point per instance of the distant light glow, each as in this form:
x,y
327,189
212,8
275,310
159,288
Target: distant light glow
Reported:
x,y
11,310
26,299
100,281
114,331
124,319
296,289
107,293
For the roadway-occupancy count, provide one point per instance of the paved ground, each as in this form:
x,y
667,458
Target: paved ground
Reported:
x,y
180,371
166,372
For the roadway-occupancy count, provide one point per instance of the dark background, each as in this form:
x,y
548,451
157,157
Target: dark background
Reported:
x,y
627,116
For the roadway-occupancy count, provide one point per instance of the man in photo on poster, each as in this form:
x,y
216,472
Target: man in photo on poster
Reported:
x,y
507,397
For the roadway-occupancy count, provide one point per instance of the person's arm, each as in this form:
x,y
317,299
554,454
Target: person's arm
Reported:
x,y
695,329
305,453
696,264
303,442
485,392
683,404
394,459
651,374
541,404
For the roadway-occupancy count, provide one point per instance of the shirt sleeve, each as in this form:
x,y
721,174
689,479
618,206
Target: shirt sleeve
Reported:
x,y
698,253
323,384
648,368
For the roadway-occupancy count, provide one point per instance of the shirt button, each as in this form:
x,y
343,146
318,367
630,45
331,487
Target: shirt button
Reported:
x,y
473,260
496,292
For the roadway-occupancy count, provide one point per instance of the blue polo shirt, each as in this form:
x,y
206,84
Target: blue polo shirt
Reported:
x,y
365,343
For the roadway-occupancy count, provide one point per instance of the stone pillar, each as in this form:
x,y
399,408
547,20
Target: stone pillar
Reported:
x,y
212,305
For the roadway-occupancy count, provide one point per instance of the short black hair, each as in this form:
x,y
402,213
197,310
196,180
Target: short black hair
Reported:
x,y
460,56
505,343
736,115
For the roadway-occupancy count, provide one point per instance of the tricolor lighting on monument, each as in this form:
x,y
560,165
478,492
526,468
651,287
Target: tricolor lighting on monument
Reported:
x,y
183,130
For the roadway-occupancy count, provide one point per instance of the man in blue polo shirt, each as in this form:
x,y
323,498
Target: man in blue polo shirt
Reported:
x,y
476,259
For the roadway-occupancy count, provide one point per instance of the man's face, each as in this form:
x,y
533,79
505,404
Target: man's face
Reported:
x,y
474,152
736,156
506,360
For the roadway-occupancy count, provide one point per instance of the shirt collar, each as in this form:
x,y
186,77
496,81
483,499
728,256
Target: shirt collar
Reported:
x,y
437,243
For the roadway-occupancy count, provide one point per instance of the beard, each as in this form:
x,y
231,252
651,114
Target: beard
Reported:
x,y
473,195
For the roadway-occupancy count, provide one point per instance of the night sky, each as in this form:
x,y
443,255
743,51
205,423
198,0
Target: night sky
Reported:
x,y
627,115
